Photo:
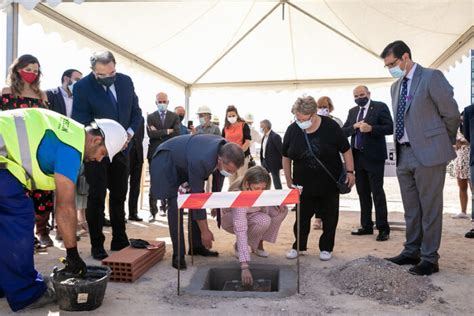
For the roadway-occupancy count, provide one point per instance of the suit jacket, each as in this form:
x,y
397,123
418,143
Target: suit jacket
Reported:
x,y
272,151
56,100
161,135
137,142
431,116
187,158
373,145
468,129
91,101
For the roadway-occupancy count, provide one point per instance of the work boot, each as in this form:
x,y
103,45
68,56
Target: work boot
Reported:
x,y
45,240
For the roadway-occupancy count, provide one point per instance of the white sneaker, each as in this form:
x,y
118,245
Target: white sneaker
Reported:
x,y
292,254
325,256
460,216
261,253
162,213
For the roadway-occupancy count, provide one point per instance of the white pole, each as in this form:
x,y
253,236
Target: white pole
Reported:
x,y
12,36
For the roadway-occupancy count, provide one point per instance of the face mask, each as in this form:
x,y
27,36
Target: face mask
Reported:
x,y
107,81
225,173
71,86
304,125
162,107
262,131
181,117
361,101
397,72
202,121
28,77
232,119
323,112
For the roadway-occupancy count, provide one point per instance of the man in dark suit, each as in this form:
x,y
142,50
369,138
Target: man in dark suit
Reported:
x,y
270,152
60,98
426,124
161,126
190,159
367,124
136,165
104,93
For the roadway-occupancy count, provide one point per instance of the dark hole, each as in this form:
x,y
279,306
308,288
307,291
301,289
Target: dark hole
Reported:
x,y
228,279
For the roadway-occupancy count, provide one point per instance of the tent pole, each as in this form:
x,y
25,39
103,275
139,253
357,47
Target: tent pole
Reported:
x,y
12,36
187,95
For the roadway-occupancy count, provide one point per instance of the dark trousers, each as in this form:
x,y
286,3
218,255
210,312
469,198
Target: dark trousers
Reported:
x,y
102,176
328,210
275,176
20,283
152,201
136,167
369,184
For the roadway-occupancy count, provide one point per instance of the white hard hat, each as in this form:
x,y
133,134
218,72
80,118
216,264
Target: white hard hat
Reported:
x,y
203,109
249,118
115,136
215,119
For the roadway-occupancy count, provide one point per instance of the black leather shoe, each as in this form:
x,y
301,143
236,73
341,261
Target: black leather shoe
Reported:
x,y
204,252
151,219
107,223
383,236
362,231
182,263
116,246
402,260
470,234
99,253
135,218
424,268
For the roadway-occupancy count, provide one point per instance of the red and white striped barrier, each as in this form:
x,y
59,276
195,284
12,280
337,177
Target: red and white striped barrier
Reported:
x,y
238,199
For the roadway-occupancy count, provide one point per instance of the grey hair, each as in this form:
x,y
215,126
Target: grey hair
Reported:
x,y
267,124
231,152
304,105
102,57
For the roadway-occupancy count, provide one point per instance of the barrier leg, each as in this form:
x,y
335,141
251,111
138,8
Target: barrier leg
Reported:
x,y
298,248
190,225
179,251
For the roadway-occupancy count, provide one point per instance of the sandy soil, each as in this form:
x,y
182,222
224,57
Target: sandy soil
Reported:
x,y
155,292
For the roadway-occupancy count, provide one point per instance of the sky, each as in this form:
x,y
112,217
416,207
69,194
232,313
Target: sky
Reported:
x,y
274,103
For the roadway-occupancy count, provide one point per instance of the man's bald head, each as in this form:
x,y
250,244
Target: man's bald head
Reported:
x,y
162,97
361,92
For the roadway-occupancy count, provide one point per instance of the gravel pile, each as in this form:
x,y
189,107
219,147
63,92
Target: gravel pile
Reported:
x,y
382,281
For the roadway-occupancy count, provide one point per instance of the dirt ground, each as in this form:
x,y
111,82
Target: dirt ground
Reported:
x,y
155,292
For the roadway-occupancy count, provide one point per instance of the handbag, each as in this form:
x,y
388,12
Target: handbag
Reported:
x,y
341,184
251,163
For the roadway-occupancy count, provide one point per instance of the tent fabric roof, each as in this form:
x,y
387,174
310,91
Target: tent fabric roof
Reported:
x,y
295,40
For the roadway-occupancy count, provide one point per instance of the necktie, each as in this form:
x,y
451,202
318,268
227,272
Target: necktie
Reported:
x,y
112,98
358,140
162,115
402,103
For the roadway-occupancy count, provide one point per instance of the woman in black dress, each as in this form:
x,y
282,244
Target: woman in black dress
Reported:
x,y
320,191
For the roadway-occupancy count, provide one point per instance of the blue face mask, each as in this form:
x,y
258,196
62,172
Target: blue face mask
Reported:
x,y
225,173
202,121
162,107
304,125
397,72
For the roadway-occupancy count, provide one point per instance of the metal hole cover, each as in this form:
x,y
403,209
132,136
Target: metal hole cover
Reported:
x,y
224,280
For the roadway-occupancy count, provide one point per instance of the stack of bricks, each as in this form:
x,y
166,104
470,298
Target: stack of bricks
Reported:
x,y
130,263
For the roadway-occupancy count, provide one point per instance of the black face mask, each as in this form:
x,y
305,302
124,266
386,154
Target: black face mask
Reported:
x,y
107,81
181,117
361,101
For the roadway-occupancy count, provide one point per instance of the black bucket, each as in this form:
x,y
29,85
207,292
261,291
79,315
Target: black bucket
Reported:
x,y
81,294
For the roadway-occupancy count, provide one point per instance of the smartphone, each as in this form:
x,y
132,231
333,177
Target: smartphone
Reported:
x,y
190,123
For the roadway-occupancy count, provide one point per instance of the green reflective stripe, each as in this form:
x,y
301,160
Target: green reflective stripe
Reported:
x,y
3,148
25,154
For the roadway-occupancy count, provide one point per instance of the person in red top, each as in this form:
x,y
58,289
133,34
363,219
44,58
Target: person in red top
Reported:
x,y
237,131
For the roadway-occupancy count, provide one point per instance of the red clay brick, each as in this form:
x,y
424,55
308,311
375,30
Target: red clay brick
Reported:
x,y
130,263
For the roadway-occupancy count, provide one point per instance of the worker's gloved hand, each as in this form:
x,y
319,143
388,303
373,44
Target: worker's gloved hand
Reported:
x,y
73,263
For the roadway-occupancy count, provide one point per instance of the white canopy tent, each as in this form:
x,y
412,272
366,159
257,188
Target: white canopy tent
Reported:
x,y
207,44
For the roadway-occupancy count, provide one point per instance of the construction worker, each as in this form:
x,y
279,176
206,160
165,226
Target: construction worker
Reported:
x,y
41,149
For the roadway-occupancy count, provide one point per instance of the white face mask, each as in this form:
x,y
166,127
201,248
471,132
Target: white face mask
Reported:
x,y
225,173
71,86
305,124
262,130
232,119
323,112
202,121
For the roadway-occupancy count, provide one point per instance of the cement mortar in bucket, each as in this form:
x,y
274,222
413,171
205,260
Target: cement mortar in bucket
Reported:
x,y
81,294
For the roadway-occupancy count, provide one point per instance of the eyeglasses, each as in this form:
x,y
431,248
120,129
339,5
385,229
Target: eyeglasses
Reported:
x,y
296,119
392,64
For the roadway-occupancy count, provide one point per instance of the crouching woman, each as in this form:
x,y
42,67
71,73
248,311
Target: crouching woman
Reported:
x,y
253,225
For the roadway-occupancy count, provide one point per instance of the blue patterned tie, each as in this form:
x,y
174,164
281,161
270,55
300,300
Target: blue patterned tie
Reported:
x,y
112,98
358,140
402,103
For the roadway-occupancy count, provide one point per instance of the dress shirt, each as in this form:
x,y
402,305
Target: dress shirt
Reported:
x,y
67,101
409,76
264,144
